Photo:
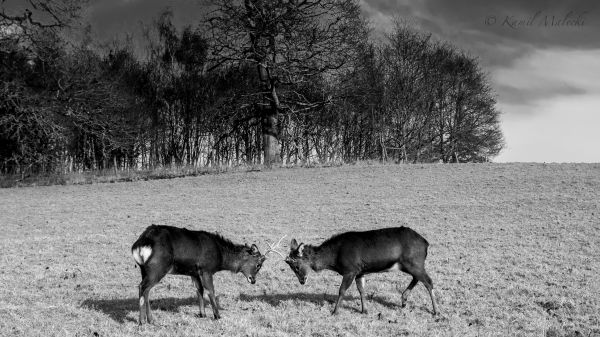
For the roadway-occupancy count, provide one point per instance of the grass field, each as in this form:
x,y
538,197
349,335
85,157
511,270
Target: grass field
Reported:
x,y
514,250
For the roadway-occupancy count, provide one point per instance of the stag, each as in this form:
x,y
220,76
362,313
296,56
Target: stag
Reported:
x,y
162,250
356,254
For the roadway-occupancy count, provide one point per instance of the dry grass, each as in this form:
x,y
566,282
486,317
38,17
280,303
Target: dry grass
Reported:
x,y
514,251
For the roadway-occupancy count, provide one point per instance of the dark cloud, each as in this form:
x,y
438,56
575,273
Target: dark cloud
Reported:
x,y
481,27
489,29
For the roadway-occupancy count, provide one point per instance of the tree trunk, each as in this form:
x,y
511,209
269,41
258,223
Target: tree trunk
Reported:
x,y
270,140
270,133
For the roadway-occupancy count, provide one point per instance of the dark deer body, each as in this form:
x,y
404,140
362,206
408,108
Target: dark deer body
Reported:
x,y
356,254
162,250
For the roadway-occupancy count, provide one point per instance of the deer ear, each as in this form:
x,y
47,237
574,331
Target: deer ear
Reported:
x,y
294,244
301,250
254,249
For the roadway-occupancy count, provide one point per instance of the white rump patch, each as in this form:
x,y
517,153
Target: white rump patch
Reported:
x,y
141,254
394,267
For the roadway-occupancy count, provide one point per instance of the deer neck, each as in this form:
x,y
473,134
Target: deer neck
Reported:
x,y
230,261
322,258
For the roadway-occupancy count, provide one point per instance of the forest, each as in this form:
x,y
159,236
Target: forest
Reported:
x,y
252,82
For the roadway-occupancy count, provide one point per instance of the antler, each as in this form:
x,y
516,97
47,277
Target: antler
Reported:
x,y
272,247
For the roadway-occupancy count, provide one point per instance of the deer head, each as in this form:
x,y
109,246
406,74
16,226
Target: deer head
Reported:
x,y
298,261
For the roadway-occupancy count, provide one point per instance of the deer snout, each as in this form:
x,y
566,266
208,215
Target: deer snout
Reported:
x,y
251,279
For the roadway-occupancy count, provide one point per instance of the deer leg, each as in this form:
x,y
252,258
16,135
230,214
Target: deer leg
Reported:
x,y
149,280
426,280
406,291
142,300
200,294
360,285
207,283
346,282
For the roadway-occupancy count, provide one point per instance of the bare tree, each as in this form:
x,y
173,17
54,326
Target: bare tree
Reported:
x,y
438,102
290,42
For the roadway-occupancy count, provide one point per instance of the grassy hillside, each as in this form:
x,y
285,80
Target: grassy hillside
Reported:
x,y
514,251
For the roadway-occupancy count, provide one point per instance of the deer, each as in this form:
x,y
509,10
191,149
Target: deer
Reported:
x,y
162,250
356,254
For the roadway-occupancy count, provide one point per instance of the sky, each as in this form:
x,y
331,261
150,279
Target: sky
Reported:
x,y
542,58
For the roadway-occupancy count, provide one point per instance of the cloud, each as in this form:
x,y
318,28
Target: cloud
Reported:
x,y
550,100
546,74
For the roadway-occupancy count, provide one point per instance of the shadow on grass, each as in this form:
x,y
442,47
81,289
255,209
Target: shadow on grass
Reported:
x,y
119,309
316,298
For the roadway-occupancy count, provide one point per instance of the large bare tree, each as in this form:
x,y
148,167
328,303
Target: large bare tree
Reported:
x,y
291,42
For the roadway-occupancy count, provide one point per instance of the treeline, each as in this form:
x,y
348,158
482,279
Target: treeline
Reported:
x,y
303,84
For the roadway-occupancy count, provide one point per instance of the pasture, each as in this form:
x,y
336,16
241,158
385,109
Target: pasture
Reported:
x,y
514,250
